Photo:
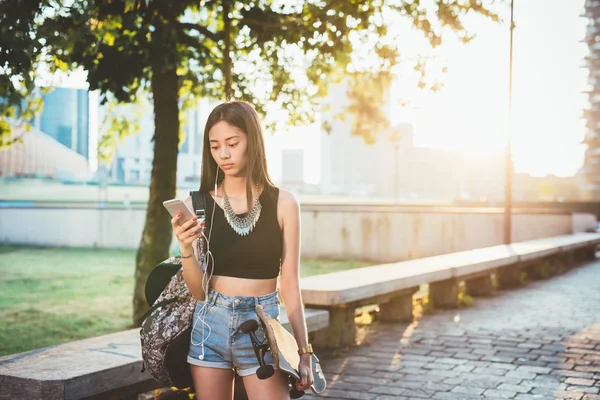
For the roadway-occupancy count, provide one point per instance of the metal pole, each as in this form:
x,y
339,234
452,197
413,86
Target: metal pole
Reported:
x,y
509,169
395,174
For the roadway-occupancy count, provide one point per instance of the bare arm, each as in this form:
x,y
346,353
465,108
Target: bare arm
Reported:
x,y
289,209
186,234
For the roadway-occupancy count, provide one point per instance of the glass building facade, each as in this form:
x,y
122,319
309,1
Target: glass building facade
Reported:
x,y
65,118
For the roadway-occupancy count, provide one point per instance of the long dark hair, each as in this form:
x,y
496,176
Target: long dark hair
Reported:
x,y
244,117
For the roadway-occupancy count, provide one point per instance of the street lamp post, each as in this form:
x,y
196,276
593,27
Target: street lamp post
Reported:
x,y
508,167
396,173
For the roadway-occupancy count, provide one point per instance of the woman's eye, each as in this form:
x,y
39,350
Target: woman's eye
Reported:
x,y
233,144
214,148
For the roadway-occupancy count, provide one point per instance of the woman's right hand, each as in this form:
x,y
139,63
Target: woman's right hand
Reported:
x,y
187,232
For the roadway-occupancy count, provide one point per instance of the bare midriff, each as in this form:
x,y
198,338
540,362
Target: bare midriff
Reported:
x,y
231,286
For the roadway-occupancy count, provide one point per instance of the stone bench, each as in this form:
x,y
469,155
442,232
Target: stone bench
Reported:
x,y
102,367
392,286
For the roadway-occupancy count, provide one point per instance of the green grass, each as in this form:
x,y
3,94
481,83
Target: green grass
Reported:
x,y
317,267
50,296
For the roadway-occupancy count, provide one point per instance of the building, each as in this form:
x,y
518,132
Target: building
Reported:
x,y
40,156
393,167
426,174
349,166
74,118
592,114
58,144
292,169
548,188
438,174
132,162
65,117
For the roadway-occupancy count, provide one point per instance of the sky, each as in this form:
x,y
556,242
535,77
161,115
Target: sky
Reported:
x,y
471,110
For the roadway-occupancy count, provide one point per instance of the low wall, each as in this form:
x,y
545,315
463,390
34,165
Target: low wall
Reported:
x,y
377,233
387,234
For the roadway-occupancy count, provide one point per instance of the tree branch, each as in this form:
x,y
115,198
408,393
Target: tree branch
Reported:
x,y
202,29
253,22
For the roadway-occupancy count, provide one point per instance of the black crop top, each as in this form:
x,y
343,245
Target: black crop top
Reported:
x,y
254,256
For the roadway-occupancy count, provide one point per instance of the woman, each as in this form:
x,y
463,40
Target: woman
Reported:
x,y
251,235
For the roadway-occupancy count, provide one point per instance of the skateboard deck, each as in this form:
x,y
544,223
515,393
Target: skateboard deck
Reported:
x,y
284,349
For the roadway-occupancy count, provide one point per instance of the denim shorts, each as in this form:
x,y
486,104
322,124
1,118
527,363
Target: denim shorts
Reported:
x,y
224,344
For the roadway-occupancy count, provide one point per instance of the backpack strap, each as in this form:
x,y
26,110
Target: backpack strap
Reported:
x,y
198,201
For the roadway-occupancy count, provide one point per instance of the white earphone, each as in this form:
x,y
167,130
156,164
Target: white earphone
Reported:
x,y
206,281
216,176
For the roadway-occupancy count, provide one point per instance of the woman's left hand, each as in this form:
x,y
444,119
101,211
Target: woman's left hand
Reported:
x,y
306,375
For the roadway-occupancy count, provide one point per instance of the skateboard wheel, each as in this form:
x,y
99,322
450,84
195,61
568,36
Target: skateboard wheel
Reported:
x,y
249,326
264,372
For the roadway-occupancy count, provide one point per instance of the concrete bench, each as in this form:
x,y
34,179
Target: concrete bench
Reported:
x,y
392,286
102,367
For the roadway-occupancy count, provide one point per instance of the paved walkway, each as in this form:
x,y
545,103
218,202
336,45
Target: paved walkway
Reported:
x,y
541,341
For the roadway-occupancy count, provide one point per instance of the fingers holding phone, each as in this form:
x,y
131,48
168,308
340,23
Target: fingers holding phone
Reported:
x,y
186,225
188,231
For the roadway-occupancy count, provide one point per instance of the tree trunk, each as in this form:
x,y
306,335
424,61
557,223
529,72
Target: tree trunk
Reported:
x,y
157,234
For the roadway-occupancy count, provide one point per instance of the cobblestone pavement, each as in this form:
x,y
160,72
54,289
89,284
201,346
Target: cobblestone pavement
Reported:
x,y
541,341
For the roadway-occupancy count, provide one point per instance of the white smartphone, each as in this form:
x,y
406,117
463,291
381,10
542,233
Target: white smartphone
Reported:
x,y
176,206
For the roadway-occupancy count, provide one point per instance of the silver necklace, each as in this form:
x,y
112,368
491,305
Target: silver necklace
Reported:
x,y
241,225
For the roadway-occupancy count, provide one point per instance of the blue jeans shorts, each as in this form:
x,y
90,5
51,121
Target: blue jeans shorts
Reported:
x,y
217,340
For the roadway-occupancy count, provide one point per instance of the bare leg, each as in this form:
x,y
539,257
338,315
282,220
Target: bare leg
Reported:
x,y
273,388
212,383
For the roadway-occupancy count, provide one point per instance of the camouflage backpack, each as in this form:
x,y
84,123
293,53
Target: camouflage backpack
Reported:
x,y
167,326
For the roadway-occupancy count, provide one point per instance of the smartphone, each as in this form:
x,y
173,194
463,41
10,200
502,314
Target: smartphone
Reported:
x,y
176,206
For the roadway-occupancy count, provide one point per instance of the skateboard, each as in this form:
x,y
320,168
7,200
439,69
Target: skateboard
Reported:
x,y
284,349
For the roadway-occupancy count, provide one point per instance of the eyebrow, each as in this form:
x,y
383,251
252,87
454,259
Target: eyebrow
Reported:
x,y
231,137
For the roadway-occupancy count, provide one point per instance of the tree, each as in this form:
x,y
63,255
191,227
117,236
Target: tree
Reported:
x,y
279,56
19,54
